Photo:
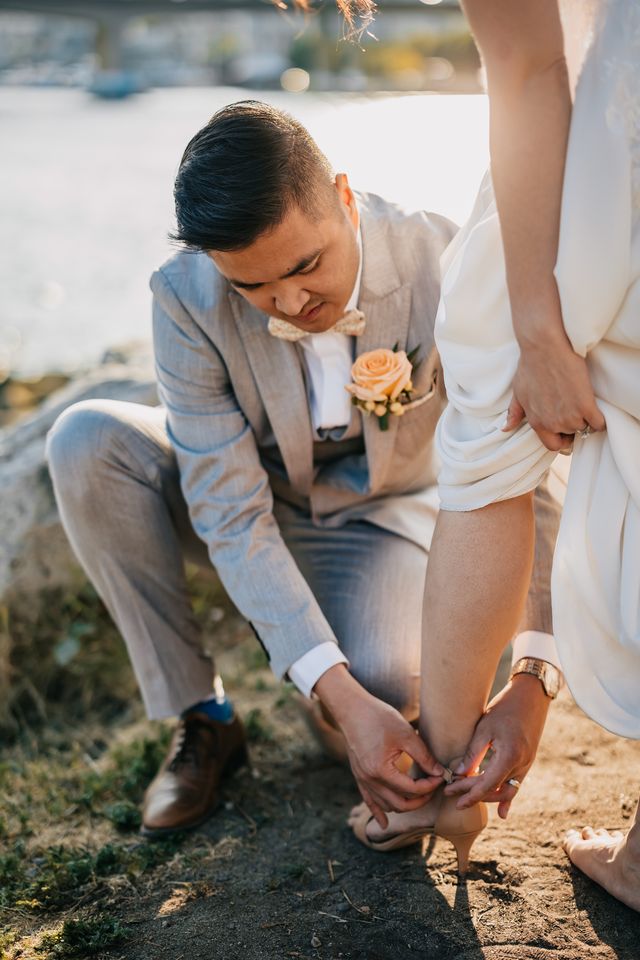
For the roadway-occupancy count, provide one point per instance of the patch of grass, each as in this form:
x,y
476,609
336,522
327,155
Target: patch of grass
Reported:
x,y
7,939
285,696
83,938
124,815
255,659
65,659
62,658
57,876
258,730
53,877
131,768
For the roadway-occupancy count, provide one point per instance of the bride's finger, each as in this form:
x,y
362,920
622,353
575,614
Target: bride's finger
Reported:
x,y
554,441
515,415
462,786
493,781
595,418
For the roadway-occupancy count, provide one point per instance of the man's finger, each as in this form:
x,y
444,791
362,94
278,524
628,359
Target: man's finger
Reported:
x,y
376,810
398,802
414,745
503,809
406,786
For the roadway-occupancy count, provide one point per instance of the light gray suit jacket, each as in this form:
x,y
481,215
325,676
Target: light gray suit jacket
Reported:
x,y
233,394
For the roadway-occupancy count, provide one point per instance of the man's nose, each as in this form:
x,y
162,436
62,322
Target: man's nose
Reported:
x,y
291,301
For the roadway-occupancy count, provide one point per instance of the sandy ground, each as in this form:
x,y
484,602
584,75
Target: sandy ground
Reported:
x,y
285,877
277,874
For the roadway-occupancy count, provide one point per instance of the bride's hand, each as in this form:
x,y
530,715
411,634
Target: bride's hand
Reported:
x,y
552,389
512,725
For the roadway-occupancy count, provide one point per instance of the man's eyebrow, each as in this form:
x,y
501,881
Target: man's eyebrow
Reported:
x,y
302,265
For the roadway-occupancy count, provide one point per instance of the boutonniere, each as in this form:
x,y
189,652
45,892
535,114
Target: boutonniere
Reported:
x,y
382,382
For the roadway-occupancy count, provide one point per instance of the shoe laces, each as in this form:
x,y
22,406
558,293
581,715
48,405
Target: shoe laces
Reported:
x,y
186,747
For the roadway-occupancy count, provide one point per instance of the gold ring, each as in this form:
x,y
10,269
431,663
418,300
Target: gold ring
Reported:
x,y
584,433
514,783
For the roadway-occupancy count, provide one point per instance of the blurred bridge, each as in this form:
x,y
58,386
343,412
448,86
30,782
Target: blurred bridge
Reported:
x,y
111,16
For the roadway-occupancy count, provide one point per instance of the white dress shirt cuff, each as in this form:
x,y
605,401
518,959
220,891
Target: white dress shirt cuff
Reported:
x,y
307,669
533,643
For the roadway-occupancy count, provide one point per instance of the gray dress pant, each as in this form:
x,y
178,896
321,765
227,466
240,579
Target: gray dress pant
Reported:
x,y
117,485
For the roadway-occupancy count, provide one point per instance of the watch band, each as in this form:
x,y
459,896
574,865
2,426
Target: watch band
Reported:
x,y
547,674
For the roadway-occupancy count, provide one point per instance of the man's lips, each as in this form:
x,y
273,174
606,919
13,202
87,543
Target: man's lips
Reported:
x,y
309,315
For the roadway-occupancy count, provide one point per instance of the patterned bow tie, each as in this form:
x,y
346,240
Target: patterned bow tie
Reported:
x,y
352,323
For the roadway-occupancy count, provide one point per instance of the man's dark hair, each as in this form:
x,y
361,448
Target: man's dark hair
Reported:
x,y
242,173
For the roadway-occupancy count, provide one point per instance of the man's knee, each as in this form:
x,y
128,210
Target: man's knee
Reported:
x,y
397,687
81,434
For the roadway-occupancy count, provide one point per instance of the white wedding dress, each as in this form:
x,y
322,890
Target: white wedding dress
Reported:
x,y
596,575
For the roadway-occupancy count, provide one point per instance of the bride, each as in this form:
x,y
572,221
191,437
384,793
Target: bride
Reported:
x,y
539,335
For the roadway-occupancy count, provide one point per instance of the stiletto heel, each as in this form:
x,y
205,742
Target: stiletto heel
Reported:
x,y
461,828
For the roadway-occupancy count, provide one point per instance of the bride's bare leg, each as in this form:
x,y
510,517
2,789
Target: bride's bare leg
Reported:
x,y
477,582
611,859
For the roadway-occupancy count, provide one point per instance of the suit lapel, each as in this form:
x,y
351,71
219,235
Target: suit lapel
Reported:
x,y
387,307
276,367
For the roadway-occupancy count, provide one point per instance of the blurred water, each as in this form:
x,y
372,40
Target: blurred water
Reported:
x,y
86,202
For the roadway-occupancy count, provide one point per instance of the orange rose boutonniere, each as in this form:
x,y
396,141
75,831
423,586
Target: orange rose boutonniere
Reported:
x,y
382,382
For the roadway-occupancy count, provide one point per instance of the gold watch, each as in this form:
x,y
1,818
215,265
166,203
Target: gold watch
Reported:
x,y
547,674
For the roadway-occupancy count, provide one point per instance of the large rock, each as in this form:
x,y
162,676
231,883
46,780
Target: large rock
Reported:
x,y
34,552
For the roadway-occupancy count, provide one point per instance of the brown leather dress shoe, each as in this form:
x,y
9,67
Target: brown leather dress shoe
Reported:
x,y
184,792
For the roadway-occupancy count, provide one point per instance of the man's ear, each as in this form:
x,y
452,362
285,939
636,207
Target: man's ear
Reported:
x,y
347,197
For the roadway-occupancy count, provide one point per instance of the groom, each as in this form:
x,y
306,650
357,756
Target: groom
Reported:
x,y
317,520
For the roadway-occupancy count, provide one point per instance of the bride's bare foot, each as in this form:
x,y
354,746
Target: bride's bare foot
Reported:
x,y
608,859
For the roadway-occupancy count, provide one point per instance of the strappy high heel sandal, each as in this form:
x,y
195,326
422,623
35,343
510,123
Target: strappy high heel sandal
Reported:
x,y
459,827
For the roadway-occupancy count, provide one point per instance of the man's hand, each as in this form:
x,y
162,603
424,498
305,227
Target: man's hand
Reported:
x,y
377,735
512,726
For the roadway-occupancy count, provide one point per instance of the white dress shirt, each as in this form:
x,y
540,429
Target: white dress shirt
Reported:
x,y
328,358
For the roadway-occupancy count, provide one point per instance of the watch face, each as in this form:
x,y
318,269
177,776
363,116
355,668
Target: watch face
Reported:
x,y
551,680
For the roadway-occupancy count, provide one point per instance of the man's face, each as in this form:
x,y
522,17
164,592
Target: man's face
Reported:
x,y
304,270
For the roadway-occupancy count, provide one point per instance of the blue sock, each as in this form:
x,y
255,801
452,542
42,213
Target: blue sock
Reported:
x,y
217,706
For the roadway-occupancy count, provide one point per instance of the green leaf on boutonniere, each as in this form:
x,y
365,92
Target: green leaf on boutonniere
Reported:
x,y
384,422
395,346
413,354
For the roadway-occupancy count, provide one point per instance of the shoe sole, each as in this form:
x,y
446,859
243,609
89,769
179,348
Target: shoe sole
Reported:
x,y
237,760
